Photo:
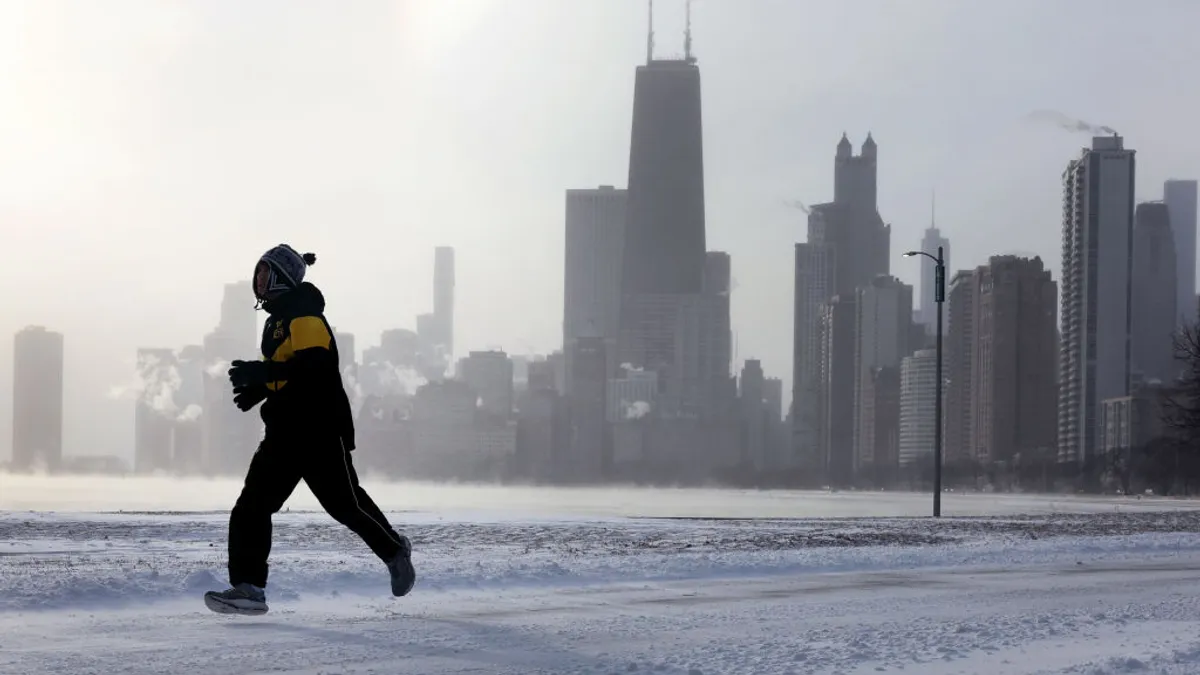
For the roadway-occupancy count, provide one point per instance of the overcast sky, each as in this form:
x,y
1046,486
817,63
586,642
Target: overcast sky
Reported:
x,y
151,150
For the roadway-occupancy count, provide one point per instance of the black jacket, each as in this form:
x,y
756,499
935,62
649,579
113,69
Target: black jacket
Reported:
x,y
306,396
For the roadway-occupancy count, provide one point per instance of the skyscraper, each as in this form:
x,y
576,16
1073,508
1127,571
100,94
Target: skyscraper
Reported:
x,y
1097,236
238,317
1013,393
753,416
813,289
156,410
663,259
851,223
1155,314
838,347
443,298
592,278
847,248
927,307
490,376
589,453
882,332
37,399
716,348
595,234
664,244
960,345
1180,198
918,403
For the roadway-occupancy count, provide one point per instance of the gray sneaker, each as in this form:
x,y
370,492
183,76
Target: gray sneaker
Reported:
x,y
241,599
401,569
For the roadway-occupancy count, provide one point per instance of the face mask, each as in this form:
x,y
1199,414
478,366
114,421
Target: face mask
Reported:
x,y
262,277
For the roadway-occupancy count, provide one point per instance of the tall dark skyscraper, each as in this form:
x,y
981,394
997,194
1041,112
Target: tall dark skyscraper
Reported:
x,y
1154,311
662,312
1180,198
664,232
847,249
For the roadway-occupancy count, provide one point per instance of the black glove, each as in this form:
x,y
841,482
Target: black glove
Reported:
x,y
244,373
247,396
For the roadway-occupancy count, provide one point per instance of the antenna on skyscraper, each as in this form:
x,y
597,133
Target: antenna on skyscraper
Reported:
x,y
650,34
687,33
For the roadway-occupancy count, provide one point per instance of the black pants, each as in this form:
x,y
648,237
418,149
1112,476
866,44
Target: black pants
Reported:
x,y
276,469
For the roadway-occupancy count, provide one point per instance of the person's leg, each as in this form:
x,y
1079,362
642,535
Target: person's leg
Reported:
x,y
272,476
329,472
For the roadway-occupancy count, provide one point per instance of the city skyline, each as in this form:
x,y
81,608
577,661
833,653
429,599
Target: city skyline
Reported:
x,y
348,272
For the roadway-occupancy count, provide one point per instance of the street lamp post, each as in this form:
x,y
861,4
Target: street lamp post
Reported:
x,y
939,296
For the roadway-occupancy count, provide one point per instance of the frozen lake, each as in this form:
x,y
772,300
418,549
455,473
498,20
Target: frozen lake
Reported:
x,y
91,494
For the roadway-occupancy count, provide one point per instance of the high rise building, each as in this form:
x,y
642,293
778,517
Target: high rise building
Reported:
x,y
37,399
1097,260
347,354
814,287
664,243
918,406
595,236
838,377
1155,313
1014,344
589,450
882,331
927,306
1180,198
595,229
229,436
851,223
155,411
719,388
663,254
753,416
960,346
490,376
847,248
540,376
878,439
238,316
443,298
399,347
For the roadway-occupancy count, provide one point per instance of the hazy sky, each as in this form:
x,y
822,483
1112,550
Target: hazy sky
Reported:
x,y
151,150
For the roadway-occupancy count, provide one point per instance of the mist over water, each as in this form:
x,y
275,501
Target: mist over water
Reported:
x,y
104,494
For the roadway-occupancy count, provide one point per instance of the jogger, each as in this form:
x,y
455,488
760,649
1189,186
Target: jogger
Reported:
x,y
309,436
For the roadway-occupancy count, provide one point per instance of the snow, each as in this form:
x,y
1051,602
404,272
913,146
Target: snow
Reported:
x,y
1083,587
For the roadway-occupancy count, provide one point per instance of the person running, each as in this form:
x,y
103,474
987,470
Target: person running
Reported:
x,y
309,436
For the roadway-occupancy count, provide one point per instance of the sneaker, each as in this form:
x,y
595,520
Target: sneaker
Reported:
x,y
401,569
241,599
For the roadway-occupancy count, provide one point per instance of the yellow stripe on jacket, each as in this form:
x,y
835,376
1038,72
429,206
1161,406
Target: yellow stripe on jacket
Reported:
x,y
306,332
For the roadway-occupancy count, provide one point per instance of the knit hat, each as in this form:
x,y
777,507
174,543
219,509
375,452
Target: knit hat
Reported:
x,y
286,269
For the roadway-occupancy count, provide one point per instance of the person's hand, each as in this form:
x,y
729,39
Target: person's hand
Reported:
x,y
248,396
244,373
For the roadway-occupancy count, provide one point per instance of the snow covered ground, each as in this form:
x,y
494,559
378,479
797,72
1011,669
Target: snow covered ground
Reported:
x,y
1100,587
